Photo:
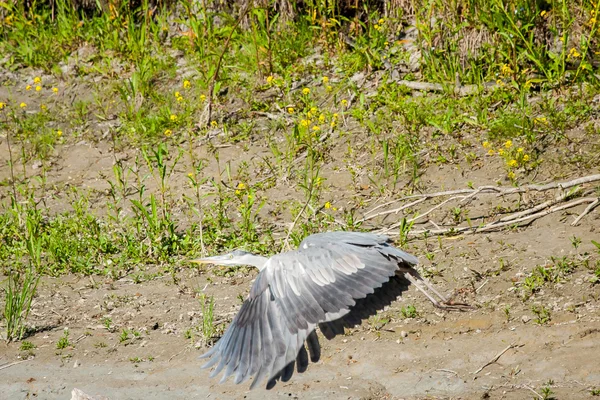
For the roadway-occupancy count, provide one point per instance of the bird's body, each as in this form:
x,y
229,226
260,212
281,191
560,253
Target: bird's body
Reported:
x,y
298,290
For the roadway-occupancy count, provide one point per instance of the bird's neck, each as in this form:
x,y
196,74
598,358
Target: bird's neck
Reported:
x,y
257,261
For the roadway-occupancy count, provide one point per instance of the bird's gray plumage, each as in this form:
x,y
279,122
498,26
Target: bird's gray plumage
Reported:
x,y
296,291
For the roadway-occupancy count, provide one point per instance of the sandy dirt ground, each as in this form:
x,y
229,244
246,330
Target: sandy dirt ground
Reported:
x,y
499,350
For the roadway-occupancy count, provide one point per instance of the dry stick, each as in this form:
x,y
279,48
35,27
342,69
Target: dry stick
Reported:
x,y
215,76
536,393
12,363
537,208
586,211
496,357
496,224
537,215
285,241
394,211
501,191
396,225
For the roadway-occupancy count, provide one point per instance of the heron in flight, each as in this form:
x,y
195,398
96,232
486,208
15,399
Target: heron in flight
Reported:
x,y
296,291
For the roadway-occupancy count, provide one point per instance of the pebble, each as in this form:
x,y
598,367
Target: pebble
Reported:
x,y
404,334
525,319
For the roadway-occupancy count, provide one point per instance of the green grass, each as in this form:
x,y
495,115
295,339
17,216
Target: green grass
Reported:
x,y
63,341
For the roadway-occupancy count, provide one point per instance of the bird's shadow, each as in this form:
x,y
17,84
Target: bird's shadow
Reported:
x,y
363,309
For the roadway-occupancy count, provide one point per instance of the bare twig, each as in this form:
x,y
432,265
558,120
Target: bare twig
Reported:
x,y
287,237
448,371
536,215
394,211
12,364
587,210
496,357
501,191
540,210
536,393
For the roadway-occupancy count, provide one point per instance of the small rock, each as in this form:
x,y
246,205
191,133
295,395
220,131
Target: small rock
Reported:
x,y
525,319
404,334
76,364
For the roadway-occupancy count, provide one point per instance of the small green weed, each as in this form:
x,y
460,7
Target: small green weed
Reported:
x,y
26,346
409,311
63,342
208,329
542,313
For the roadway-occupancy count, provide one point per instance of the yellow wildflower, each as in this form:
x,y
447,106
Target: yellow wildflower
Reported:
x,y
202,97
325,80
186,84
573,53
511,175
381,21
513,163
501,152
305,91
290,110
305,123
335,116
28,87
505,70
38,88
2,105
173,117
270,79
543,13
37,80
59,133
241,186
55,90
377,27
486,144
238,192
526,157
344,102
328,205
520,150
316,128
329,88
333,124
177,94
508,144
43,107
23,105
191,174
491,152
168,132
214,124
314,110
322,118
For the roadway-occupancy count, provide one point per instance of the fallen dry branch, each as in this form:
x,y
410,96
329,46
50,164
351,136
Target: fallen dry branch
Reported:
x,y
463,195
497,357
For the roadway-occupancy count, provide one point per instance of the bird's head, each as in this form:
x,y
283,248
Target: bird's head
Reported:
x,y
234,258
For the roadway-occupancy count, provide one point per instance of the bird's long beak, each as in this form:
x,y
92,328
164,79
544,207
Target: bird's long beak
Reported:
x,y
207,260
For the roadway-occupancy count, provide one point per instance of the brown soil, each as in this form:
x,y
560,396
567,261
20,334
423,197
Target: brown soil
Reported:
x,y
432,356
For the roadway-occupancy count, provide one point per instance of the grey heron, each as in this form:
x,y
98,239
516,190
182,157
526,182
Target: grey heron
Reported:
x,y
296,291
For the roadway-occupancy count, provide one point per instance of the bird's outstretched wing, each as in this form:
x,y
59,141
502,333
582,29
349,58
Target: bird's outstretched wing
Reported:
x,y
295,291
